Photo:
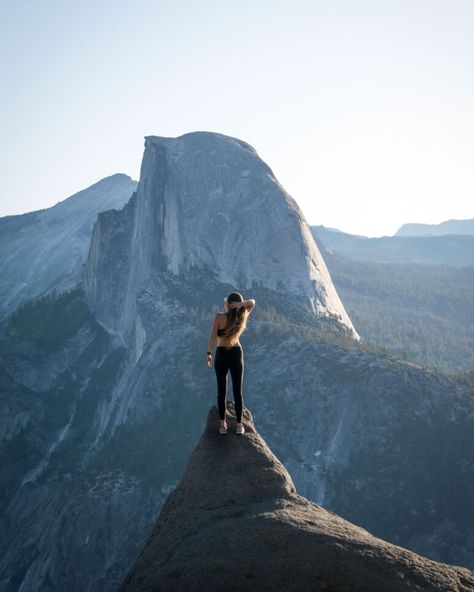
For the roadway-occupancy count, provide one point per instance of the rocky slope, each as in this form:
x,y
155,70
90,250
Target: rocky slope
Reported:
x,y
235,522
46,248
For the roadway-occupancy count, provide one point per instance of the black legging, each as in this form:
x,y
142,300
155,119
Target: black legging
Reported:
x,y
229,359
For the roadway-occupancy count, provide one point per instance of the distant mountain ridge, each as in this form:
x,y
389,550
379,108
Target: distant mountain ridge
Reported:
x,y
44,249
457,250
446,227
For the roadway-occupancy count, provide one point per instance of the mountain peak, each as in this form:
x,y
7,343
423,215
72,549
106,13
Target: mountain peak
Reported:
x,y
235,522
207,202
200,137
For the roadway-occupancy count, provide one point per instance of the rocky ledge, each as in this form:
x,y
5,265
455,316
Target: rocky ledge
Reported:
x,y
236,523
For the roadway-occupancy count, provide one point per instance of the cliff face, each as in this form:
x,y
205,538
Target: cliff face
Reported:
x,y
235,522
206,201
46,248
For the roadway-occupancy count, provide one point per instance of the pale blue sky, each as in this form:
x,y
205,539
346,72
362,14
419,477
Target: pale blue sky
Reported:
x,y
363,109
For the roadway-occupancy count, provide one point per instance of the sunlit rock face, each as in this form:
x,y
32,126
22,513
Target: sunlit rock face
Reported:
x,y
206,201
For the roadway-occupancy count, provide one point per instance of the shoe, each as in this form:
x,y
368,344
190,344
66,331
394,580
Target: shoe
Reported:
x,y
240,429
223,429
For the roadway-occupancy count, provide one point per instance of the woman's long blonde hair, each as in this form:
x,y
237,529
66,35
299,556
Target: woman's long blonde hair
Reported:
x,y
237,321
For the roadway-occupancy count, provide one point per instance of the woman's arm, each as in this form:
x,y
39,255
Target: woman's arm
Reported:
x,y
249,304
213,335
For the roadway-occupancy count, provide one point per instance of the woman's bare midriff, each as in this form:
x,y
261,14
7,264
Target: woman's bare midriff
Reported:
x,y
221,342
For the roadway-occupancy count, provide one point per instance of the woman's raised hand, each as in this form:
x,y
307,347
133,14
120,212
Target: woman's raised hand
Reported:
x,y
235,304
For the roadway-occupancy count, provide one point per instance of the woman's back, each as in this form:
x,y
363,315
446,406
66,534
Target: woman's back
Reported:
x,y
227,328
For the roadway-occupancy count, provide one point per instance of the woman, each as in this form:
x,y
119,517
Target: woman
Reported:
x,y
227,327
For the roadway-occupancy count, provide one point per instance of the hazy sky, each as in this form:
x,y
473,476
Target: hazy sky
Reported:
x,y
364,110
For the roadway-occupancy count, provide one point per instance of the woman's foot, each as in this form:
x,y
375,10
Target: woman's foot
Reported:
x,y
222,427
239,428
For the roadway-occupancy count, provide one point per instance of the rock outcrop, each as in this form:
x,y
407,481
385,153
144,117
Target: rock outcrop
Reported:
x,y
236,523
